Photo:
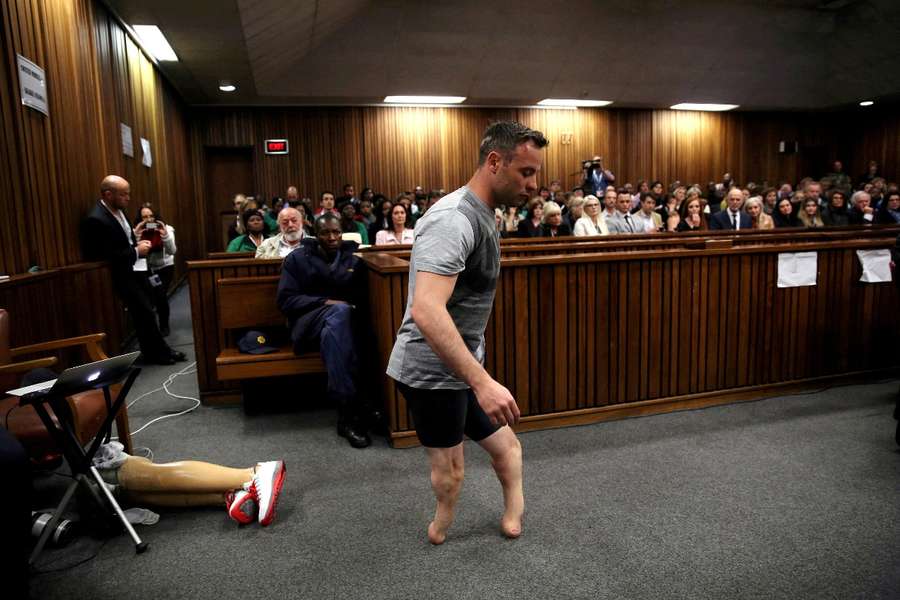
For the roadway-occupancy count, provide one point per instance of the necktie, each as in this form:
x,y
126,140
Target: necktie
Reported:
x,y
734,220
628,223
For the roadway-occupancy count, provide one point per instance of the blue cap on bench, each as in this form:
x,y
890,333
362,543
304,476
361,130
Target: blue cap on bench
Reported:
x,y
254,342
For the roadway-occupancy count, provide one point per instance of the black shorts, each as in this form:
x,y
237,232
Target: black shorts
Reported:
x,y
443,416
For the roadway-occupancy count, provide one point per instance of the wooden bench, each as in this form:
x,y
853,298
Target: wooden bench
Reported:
x,y
249,303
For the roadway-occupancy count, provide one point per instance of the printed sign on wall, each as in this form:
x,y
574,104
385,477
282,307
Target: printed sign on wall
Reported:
x,y
32,85
127,140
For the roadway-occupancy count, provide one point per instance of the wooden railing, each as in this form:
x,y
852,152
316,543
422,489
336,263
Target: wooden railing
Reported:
x,y
583,337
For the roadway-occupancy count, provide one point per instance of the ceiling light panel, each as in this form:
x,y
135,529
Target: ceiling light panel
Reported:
x,y
154,42
703,106
572,102
424,99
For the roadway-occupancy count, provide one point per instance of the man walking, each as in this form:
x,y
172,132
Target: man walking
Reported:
x,y
437,358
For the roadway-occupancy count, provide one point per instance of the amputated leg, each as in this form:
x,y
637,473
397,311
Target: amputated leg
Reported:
x,y
447,472
506,458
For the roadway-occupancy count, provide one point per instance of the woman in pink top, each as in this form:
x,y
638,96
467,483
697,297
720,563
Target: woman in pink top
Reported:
x,y
399,233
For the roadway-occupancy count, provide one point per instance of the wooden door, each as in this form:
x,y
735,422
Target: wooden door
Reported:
x,y
229,171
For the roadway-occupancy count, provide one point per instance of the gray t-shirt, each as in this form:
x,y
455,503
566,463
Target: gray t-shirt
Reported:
x,y
457,236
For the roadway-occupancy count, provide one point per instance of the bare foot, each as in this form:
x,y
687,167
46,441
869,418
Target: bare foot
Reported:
x,y
436,534
511,525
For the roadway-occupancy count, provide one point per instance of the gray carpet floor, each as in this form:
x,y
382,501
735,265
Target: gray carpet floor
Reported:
x,y
789,497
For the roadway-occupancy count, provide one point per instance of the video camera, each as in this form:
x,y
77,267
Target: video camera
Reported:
x,y
591,164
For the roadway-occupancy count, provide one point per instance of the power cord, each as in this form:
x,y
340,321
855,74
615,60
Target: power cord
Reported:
x,y
165,387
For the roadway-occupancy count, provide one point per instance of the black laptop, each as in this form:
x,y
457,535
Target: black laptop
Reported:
x,y
77,379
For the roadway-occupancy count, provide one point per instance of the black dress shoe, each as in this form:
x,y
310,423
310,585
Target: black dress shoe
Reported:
x,y
177,356
357,438
157,360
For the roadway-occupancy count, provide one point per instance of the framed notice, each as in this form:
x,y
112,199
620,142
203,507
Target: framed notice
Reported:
x,y
127,140
32,85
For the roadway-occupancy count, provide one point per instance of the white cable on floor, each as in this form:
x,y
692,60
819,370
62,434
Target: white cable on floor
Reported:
x,y
165,386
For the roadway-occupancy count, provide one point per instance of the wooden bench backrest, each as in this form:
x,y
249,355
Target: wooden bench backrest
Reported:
x,y
248,302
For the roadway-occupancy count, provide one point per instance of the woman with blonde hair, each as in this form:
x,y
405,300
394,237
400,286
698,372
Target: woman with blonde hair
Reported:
x,y
809,215
551,224
758,217
591,223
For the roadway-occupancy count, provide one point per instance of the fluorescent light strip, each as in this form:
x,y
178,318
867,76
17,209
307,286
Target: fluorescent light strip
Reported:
x,y
559,102
866,103
227,87
540,107
424,99
153,40
701,106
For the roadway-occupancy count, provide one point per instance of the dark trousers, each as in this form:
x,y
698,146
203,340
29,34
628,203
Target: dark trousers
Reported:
x,y
135,294
333,329
15,506
160,296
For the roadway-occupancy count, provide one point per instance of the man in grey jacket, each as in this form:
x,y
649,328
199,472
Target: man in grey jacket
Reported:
x,y
622,221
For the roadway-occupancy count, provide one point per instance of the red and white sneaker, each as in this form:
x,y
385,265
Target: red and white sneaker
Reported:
x,y
241,505
266,486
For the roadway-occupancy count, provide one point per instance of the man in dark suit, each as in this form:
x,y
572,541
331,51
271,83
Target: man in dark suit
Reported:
x,y
107,235
734,217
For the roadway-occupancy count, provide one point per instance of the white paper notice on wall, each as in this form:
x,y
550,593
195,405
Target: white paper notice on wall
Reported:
x,y
127,140
876,265
32,85
797,269
146,158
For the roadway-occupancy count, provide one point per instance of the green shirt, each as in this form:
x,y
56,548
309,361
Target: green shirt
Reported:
x,y
242,243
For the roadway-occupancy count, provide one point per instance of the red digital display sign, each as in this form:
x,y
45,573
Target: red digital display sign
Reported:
x,y
276,146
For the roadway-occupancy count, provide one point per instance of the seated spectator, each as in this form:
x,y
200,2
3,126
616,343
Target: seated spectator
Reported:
x,y
399,233
692,216
349,224
809,216
889,213
785,190
733,217
365,214
770,199
290,226
647,220
257,230
326,205
349,196
813,190
237,226
872,172
322,293
784,215
758,217
592,223
530,226
622,221
837,178
366,194
835,214
642,188
498,222
511,221
610,199
575,212
861,213
877,193
382,213
670,212
551,223
544,193
657,191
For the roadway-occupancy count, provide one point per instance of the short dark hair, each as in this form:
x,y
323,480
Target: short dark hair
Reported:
x,y
435,194
505,136
325,218
322,195
645,195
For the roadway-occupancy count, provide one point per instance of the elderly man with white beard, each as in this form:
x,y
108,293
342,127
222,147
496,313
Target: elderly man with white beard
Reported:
x,y
290,225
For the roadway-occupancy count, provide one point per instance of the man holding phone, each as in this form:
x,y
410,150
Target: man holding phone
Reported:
x,y
106,235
